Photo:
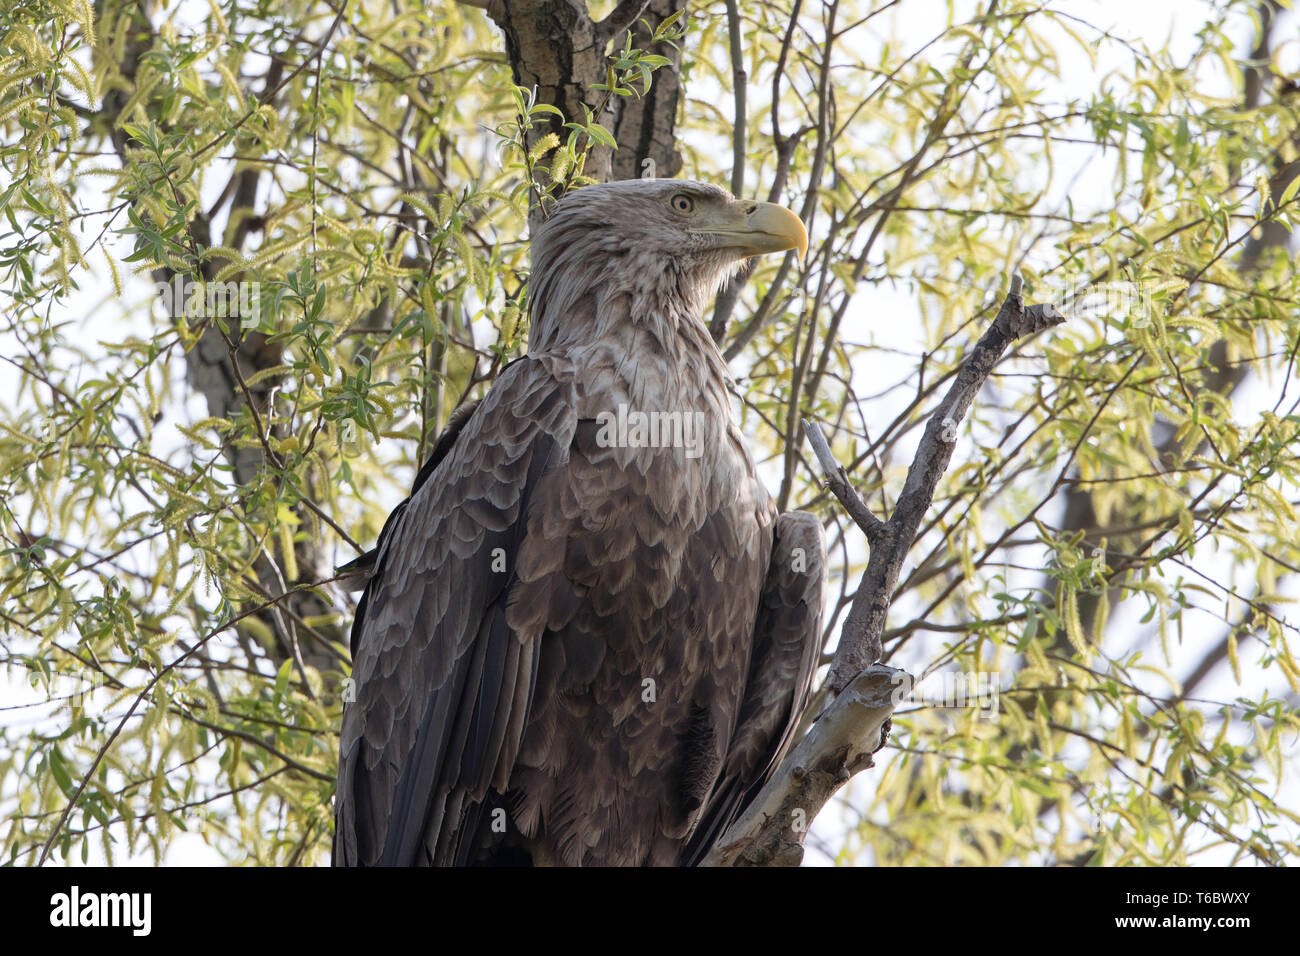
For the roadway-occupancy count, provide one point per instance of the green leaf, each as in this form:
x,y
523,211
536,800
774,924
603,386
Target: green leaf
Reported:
x,y
282,677
1288,194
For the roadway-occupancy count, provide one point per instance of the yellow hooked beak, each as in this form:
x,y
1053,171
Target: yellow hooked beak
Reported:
x,y
756,228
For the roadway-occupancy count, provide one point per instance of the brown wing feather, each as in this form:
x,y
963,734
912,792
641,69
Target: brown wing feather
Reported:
x,y
634,569
787,642
355,575
441,682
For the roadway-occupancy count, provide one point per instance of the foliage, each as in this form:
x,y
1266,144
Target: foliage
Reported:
x,y
1116,531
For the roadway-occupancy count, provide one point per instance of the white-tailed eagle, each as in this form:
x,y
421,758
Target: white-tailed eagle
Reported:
x,y
587,636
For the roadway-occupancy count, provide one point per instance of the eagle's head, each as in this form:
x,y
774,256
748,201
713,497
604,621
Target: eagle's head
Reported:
x,y
667,243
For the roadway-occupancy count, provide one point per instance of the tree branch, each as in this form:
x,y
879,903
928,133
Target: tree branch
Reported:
x,y
771,831
860,640
841,486
495,9
864,694
619,19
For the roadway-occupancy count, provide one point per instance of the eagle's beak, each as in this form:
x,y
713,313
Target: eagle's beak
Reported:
x,y
756,228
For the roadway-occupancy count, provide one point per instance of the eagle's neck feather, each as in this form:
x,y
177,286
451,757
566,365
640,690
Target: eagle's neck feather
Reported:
x,y
610,300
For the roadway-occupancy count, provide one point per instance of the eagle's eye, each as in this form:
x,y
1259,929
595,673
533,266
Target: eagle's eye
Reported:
x,y
682,203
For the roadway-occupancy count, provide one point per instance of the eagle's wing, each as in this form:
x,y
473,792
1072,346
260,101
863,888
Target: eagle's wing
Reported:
x,y
356,574
787,643
442,686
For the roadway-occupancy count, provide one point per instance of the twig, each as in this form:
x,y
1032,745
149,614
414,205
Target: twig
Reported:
x,y
837,480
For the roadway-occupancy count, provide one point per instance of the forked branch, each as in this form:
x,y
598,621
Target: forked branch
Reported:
x,y
863,694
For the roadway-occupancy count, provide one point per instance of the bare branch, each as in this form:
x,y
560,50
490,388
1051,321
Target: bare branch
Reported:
x,y
860,641
863,693
837,479
772,830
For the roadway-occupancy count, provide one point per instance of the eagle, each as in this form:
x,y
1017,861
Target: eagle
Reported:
x,y
587,636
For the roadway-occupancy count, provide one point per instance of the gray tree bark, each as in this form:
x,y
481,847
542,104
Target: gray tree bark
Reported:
x,y
556,47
